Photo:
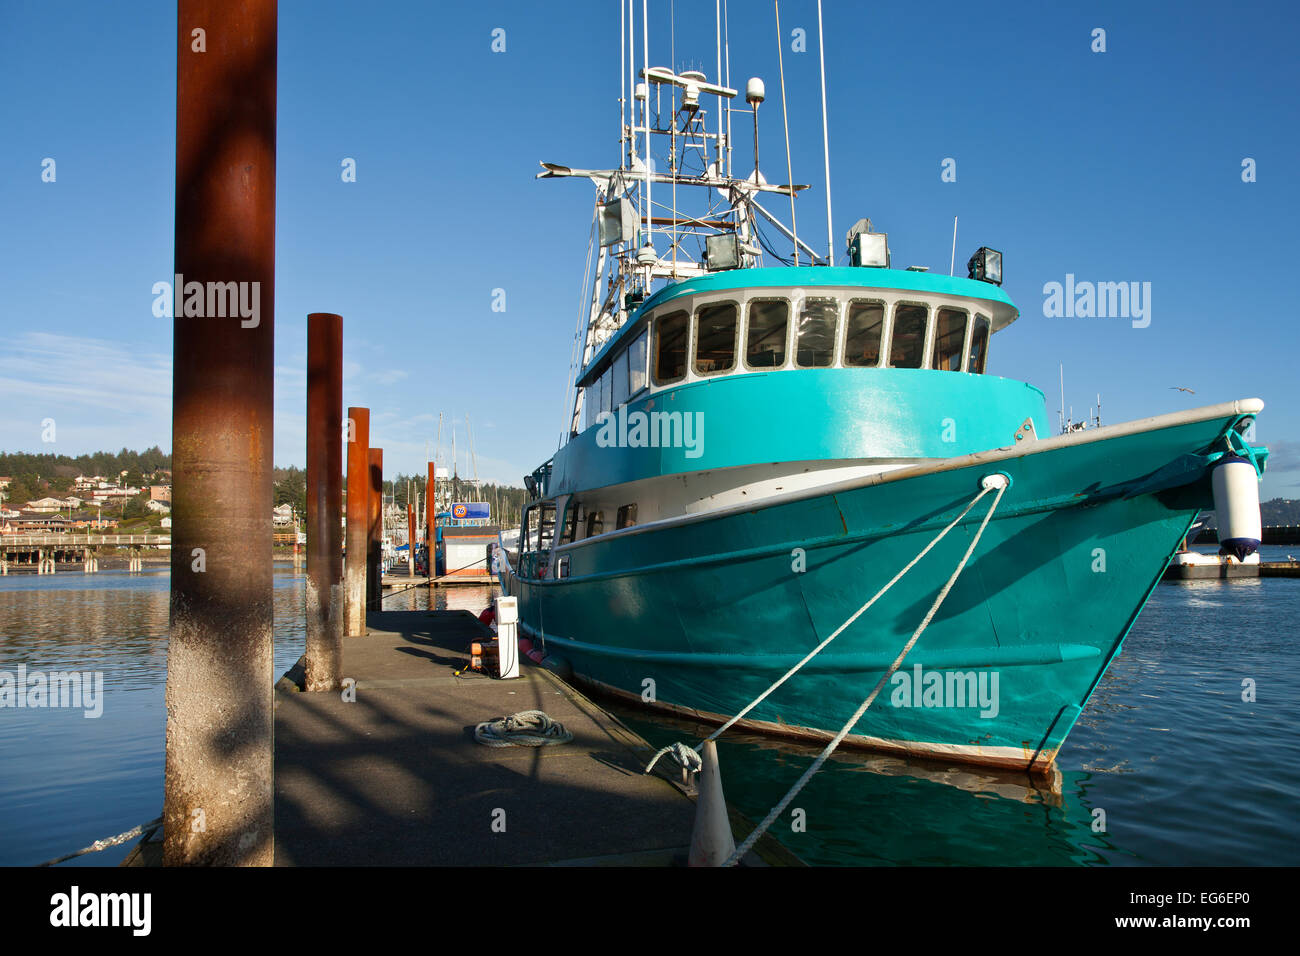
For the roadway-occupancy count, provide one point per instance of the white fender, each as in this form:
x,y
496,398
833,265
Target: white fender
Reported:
x,y
1236,505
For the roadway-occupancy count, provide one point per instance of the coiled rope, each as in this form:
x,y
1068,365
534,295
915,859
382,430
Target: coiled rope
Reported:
x,y
528,728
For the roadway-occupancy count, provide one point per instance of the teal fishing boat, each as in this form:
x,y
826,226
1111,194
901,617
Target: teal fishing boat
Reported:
x,y
759,444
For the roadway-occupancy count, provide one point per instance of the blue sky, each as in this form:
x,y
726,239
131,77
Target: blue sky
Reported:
x,y
1117,166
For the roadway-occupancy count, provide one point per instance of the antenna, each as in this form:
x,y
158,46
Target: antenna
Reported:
x,y
472,457
952,263
726,49
622,85
826,147
754,96
785,121
645,115
1061,410
717,17
631,78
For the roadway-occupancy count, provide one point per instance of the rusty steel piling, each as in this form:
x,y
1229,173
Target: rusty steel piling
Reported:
x,y
324,501
219,771
354,568
375,531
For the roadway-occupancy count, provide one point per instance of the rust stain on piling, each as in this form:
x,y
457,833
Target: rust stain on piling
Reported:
x,y
375,529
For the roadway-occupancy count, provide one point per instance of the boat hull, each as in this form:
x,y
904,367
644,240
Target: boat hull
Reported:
x,y
700,616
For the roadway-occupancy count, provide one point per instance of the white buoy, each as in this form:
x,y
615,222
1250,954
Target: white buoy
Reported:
x,y
711,841
1236,504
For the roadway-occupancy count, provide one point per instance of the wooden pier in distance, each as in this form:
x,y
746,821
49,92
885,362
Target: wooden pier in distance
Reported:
x,y
396,778
403,580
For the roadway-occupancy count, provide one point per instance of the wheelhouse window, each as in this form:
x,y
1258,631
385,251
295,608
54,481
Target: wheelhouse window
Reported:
x,y
532,519
595,523
671,332
605,390
573,521
626,516
815,333
979,345
546,525
907,343
636,364
620,379
765,338
949,339
715,338
864,330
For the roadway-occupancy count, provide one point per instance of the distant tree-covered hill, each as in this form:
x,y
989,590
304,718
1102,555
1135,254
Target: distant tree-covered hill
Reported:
x,y
104,463
1277,512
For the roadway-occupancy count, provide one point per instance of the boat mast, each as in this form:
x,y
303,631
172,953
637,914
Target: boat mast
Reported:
x,y
627,264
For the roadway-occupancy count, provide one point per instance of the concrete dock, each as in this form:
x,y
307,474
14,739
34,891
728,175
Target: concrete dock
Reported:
x,y
396,778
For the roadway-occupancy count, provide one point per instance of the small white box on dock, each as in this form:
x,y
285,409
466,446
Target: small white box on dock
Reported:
x,y
508,636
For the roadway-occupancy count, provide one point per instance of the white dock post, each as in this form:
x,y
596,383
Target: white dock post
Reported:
x,y
711,841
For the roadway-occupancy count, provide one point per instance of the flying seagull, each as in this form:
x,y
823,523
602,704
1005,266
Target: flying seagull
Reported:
x,y
1179,388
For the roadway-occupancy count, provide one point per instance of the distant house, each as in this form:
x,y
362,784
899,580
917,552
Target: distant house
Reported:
x,y
112,492
162,506
91,521
282,515
160,493
45,505
40,521
166,522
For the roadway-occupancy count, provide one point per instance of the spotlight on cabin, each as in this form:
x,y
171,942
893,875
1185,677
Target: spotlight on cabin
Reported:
x,y
867,248
722,252
985,265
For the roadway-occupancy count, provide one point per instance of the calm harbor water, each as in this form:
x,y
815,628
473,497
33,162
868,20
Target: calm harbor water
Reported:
x,y
1184,770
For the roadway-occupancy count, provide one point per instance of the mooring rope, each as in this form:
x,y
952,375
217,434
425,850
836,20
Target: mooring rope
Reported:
x,y
893,668
528,728
105,844
819,648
